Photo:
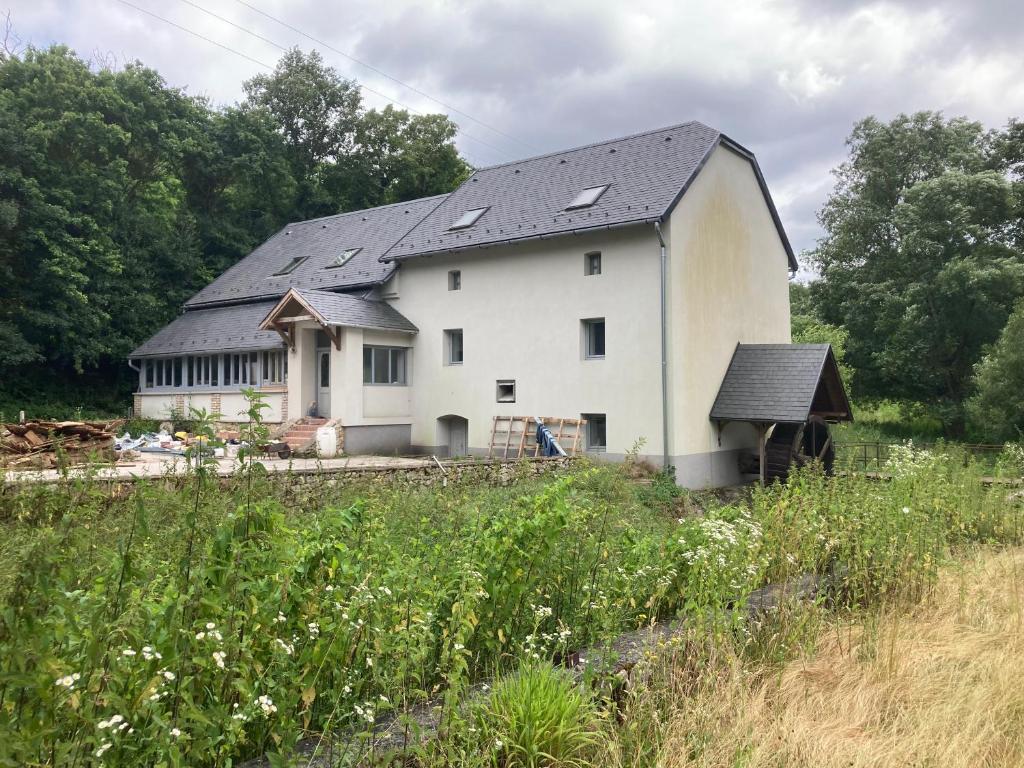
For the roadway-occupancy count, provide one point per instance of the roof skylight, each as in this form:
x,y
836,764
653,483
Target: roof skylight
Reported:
x,y
291,266
469,218
587,197
343,258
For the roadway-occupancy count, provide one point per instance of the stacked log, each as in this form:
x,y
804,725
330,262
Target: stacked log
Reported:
x,y
39,443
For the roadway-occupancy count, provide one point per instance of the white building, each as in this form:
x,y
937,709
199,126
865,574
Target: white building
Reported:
x,y
610,282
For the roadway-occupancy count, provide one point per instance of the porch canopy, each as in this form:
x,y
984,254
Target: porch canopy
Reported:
x,y
781,384
330,311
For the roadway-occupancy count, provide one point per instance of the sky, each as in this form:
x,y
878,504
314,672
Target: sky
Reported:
x,y
786,78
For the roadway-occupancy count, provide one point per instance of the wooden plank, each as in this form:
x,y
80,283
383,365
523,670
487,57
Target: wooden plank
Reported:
x,y
522,440
508,438
490,448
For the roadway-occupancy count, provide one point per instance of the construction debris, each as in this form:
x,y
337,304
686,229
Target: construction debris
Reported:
x,y
39,443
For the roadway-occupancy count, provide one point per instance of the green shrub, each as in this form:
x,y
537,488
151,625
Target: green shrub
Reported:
x,y
538,717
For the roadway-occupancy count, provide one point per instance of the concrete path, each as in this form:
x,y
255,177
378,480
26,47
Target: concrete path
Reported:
x,y
155,466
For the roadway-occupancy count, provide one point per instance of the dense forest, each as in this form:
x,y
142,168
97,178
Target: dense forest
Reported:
x,y
920,272
120,197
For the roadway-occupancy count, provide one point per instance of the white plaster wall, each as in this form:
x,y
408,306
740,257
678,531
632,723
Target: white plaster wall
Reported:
x,y
232,405
729,283
520,309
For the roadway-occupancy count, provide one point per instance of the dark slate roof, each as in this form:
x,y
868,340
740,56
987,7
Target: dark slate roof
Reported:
x,y
647,173
342,309
771,383
216,329
322,240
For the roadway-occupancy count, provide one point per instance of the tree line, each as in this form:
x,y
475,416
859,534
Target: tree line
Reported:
x,y
920,271
121,196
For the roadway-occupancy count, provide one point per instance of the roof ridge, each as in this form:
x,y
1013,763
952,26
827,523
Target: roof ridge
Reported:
x,y
602,142
364,210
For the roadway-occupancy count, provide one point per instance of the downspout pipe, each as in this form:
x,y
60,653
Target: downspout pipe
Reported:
x,y
664,346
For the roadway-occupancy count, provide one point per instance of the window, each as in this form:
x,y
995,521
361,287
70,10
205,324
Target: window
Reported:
x,y
455,280
593,338
291,266
469,218
453,347
592,264
343,258
241,370
325,370
597,431
384,365
587,197
506,391
275,367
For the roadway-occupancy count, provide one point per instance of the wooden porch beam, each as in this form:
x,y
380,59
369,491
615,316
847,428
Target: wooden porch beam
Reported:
x,y
289,337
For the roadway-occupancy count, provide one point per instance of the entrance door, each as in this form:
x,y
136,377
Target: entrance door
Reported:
x,y
454,432
323,383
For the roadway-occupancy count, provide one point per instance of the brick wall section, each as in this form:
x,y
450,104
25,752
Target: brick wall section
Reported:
x,y
284,407
215,403
179,406
340,431
137,405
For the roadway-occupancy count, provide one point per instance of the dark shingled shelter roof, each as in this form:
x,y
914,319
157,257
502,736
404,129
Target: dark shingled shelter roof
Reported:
x,y
343,309
218,329
781,383
321,242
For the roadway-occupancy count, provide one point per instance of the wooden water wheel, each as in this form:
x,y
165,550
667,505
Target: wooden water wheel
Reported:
x,y
798,445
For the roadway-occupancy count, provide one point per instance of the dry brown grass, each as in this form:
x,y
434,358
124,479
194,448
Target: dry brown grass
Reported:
x,y
940,686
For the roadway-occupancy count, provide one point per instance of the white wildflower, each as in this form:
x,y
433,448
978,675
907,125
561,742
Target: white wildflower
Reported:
x,y
286,647
314,629
267,705
127,652
68,681
175,732
103,748
210,625
219,656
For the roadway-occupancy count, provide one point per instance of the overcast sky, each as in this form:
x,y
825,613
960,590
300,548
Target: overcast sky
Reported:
x,y
786,78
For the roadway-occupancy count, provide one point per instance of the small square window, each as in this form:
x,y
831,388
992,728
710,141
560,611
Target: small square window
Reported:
x,y
593,338
455,280
592,264
453,352
506,391
596,432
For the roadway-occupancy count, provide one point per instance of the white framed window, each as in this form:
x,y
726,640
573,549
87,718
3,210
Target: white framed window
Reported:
x,y
453,349
291,266
587,197
343,258
469,218
455,280
275,367
596,432
593,338
506,391
592,263
385,365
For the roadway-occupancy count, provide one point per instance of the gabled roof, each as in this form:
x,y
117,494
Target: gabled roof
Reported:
x,y
373,231
218,329
646,175
330,309
781,383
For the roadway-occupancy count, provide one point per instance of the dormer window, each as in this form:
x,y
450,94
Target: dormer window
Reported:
x,y
587,197
343,258
469,218
291,266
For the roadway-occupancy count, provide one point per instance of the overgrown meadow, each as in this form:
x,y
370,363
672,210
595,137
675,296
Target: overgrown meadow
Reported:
x,y
201,622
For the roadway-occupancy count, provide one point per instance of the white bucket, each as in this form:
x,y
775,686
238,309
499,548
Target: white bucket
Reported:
x,y
326,442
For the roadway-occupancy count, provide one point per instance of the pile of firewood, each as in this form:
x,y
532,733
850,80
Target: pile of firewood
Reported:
x,y
38,443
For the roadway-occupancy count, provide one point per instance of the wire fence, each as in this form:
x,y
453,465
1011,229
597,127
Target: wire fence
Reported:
x,y
871,456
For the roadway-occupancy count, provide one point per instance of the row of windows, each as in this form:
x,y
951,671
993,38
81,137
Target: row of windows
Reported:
x,y
229,370
592,342
591,266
